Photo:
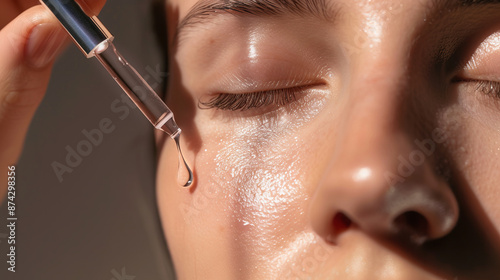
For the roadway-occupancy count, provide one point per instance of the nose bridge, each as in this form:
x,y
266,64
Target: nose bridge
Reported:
x,y
376,115
370,138
378,85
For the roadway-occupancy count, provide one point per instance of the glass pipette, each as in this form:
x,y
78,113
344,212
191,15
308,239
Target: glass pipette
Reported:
x,y
94,39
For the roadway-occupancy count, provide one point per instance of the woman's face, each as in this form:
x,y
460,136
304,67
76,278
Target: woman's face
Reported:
x,y
347,139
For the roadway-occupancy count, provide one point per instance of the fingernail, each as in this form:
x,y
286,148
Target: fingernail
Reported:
x,y
45,42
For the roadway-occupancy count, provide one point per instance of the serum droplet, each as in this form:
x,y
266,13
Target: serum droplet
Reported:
x,y
184,174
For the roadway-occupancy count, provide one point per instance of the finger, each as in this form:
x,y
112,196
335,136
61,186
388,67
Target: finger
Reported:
x,y
92,6
28,48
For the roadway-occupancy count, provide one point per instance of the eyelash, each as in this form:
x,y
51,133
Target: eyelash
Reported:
x,y
285,96
488,88
254,100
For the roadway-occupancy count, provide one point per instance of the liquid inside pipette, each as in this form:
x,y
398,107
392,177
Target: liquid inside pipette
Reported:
x,y
93,39
146,99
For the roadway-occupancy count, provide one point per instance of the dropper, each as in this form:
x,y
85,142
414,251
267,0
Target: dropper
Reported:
x,y
94,39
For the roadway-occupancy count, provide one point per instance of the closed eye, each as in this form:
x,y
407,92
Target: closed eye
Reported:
x,y
254,100
489,88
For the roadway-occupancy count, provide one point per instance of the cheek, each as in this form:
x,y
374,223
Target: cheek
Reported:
x,y
256,176
475,148
249,201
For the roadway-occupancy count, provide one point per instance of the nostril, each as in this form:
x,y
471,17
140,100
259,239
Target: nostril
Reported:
x,y
413,224
340,223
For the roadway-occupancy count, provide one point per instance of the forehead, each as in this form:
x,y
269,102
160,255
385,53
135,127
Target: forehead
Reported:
x,y
373,14
377,11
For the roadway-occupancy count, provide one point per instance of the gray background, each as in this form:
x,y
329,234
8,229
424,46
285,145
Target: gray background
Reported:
x,y
102,217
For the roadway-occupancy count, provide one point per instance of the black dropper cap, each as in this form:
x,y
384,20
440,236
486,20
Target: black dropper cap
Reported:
x,y
87,31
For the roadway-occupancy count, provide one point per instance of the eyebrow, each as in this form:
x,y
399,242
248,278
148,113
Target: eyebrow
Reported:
x,y
443,4
325,10
204,10
435,8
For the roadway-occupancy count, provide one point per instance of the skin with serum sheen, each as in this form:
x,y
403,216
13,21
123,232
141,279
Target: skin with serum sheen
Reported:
x,y
294,112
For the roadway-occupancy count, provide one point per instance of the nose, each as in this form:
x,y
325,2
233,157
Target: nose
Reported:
x,y
382,180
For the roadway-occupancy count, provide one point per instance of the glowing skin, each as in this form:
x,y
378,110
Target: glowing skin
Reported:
x,y
385,167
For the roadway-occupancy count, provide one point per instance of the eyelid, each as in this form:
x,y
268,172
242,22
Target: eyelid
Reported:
x,y
240,85
483,64
267,75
